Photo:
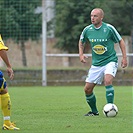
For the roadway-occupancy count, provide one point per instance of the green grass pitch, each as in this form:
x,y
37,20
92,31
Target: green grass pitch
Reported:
x,y
61,109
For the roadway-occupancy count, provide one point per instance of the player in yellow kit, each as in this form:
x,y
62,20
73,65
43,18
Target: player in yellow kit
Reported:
x,y
5,101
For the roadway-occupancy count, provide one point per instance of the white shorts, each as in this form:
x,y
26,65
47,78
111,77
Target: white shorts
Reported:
x,y
96,74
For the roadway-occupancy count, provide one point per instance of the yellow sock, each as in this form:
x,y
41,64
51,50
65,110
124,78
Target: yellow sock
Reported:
x,y
5,106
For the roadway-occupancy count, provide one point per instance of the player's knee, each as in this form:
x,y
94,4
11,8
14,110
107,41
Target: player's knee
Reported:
x,y
88,90
107,82
108,79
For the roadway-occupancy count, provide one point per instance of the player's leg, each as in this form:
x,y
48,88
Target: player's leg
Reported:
x,y
95,76
6,110
91,99
110,73
6,105
109,88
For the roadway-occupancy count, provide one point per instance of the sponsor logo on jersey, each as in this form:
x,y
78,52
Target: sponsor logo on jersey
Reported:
x,y
98,40
99,49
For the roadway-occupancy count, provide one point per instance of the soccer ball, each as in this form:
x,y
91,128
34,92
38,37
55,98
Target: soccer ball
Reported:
x,y
110,110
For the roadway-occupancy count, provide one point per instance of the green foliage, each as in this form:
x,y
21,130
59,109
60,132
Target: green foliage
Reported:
x,y
71,18
73,15
119,13
19,20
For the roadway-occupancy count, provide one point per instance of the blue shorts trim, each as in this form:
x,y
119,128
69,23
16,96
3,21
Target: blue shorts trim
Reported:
x,y
2,81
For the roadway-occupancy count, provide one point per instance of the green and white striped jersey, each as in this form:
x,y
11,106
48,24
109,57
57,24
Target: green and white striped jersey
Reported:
x,y
102,42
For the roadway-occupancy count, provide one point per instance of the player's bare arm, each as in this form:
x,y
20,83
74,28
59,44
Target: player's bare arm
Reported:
x,y
81,53
4,56
124,56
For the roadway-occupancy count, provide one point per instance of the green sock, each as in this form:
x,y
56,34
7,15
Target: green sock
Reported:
x,y
91,100
109,94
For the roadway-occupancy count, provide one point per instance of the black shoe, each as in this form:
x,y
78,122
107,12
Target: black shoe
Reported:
x,y
91,114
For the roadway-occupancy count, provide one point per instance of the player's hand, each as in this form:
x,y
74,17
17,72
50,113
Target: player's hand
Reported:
x,y
82,58
10,73
124,63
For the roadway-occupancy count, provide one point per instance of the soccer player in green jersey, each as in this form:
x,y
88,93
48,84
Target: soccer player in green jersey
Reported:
x,y
102,37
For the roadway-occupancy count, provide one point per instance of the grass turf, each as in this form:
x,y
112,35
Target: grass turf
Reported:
x,y
61,109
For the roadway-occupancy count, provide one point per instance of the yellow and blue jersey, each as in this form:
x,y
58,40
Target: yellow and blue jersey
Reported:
x,y
2,80
2,45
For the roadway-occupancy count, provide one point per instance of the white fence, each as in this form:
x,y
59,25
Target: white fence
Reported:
x,y
77,55
74,77
71,60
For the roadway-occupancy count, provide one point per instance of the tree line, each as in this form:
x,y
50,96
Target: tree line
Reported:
x,y
73,15
20,22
